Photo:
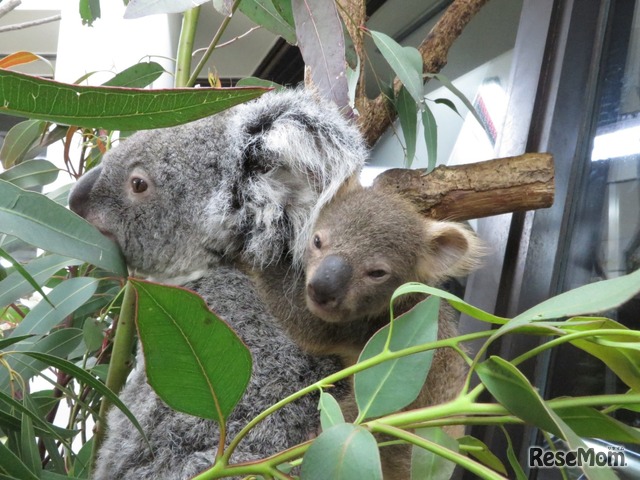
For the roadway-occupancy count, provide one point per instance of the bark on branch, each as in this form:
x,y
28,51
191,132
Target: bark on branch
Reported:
x,y
376,115
463,192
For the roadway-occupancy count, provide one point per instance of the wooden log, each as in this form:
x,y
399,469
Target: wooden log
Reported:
x,y
476,190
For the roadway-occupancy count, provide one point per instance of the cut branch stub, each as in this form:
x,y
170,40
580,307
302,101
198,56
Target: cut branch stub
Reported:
x,y
482,189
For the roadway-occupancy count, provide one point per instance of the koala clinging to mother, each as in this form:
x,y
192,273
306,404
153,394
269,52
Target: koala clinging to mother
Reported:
x,y
185,204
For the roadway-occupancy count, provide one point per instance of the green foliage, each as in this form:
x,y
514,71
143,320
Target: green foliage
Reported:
x,y
180,333
70,331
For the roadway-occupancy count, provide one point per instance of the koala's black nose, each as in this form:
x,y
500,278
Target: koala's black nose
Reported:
x,y
330,280
79,196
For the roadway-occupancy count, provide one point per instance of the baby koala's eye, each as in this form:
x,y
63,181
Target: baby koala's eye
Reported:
x,y
138,185
377,274
317,242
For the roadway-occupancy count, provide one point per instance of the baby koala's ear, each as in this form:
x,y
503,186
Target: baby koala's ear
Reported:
x,y
451,250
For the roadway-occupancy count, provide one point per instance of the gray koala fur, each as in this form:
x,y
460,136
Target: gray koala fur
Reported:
x,y
245,185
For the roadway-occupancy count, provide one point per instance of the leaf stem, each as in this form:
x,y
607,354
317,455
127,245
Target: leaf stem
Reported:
x,y
185,46
214,42
462,460
120,363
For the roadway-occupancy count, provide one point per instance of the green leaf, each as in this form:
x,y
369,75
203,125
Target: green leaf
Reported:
x,y
408,115
13,466
265,14
92,334
448,103
330,411
58,343
406,62
589,422
258,82
85,377
426,464
19,141
26,275
321,40
7,342
16,286
394,384
139,75
89,11
511,388
621,353
66,297
344,452
39,221
180,334
82,462
430,137
28,446
513,458
113,108
285,9
455,302
452,88
481,452
32,173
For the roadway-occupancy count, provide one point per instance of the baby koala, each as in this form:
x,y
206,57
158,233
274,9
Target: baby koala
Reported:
x,y
364,245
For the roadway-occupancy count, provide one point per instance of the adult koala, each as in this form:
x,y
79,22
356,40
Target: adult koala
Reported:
x,y
185,202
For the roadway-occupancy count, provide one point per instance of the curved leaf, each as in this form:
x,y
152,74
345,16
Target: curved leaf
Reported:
x,y
41,269
321,41
344,452
113,108
408,115
13,466
330,412
18,58
481,452
406,63
136,76
265,14
32,173
180,334
430,137
19,141
39,221
394,384
426,464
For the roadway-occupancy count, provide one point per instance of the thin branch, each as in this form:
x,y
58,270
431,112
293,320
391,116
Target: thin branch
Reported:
x,y
33,23
378,114
7,6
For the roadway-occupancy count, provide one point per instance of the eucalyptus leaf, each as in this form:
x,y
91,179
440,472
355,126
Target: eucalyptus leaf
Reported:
x,y
26,275
113,108
394,384
89,11
139,75
330,412
453,300
39,221
408,115
28,447
265,14
481,452
589,422
406,63
321,41
343,452
427,464
180,334
258,82
19,140
13,466
430,137
16,286
32,173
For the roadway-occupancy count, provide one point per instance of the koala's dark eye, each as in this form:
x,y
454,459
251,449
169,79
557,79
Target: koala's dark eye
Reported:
x,y
317,242
377,274
138,185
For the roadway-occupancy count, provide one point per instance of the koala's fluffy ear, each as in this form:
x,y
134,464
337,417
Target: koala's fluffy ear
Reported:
x,y
296,152
452,250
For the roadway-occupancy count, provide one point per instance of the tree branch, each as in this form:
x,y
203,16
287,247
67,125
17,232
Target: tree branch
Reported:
x,y
32,23
9,5
463,192
376,115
